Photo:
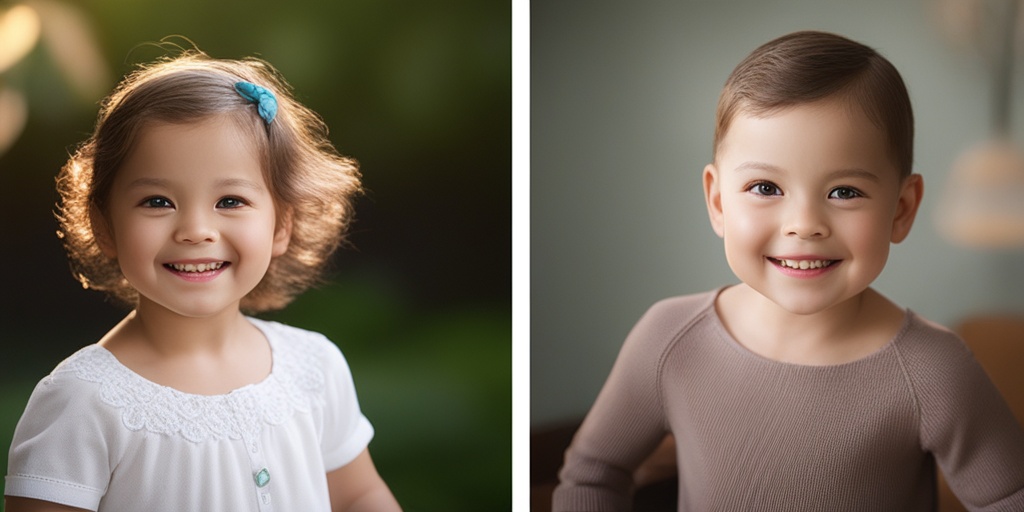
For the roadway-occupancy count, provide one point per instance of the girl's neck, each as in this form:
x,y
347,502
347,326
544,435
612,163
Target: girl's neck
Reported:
x,y
206,356
171,334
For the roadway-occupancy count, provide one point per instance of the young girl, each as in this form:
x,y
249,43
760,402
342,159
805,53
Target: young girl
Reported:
x,y
802,388
206,190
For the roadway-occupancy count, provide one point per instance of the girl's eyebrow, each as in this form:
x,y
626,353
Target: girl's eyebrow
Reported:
x,y
239,182
226,182
148,182
853,172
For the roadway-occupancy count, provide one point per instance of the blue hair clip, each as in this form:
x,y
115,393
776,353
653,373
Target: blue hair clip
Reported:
x,y
266,103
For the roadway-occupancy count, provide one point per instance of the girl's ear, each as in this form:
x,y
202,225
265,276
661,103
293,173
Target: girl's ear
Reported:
x,y
911,193
713,197
103,233
282,234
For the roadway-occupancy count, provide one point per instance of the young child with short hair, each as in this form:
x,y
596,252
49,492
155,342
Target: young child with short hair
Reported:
x,y
802,388
205,190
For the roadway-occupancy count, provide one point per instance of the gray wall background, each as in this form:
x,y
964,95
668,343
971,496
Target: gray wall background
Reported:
x,y
622,116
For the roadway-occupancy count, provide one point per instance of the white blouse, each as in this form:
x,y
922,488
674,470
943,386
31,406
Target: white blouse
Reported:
x,y
98,436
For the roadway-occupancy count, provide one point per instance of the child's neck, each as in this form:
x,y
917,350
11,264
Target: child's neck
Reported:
x,y
171,334
206,356
843,333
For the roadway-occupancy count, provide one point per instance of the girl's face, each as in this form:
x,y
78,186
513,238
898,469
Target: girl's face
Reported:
x,y
190,219
808,201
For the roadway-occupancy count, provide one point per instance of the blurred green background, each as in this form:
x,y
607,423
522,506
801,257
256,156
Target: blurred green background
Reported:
x,y
420,94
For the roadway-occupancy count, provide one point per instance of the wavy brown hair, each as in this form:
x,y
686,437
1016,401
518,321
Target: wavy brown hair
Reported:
x,y
311,183
808,66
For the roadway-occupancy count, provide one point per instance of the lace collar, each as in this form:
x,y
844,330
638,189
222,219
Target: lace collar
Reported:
x,y
295,383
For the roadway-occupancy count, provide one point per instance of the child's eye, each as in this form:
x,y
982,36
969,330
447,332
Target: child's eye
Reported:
x,y
230,202
765,188
157,202
844,193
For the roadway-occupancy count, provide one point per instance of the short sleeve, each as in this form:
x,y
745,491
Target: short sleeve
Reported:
x,y
346,432
62,451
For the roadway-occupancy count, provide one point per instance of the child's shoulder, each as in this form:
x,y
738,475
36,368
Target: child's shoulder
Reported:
x,y
300,348
936,360
923,342
291,338
73,390
91,363
673,313
667,319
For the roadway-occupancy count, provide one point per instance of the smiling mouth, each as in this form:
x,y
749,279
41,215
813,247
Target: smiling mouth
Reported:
x,y
196,267
803,264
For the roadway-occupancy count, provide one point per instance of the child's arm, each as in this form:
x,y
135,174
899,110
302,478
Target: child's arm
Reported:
x,y
356,487
626,422
15,504
966,425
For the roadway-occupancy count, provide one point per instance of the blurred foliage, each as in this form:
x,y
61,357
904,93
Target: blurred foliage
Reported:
x,y
437,388
420,302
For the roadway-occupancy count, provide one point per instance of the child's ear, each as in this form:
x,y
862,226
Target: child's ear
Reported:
x,y
713,197
282,234
103,233
911,193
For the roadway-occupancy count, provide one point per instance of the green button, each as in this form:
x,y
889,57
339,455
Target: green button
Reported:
x,y
262,478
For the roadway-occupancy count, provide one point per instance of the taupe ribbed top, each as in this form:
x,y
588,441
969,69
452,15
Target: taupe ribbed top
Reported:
x,y
757,434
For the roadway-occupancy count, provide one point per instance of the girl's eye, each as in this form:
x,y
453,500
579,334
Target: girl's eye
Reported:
x,y
157,202
230,202
845,193
765,188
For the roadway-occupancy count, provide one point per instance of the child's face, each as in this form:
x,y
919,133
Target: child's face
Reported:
x,y
190,218
808,201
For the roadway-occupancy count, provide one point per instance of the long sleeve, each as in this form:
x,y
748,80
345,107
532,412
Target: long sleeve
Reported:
x,y
624,425
966,424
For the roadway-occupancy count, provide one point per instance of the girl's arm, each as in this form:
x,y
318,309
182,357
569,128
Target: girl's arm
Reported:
x,y
356,487
16,504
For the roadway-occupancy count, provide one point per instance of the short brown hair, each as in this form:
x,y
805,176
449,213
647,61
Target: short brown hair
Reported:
x,y
808,66
308,179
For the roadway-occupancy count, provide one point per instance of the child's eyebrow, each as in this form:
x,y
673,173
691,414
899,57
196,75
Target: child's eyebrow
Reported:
x,y
148,182
853,172
758,166
239,182
227,182
856,173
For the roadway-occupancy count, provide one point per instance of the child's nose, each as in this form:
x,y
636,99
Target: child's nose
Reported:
x,y
195,228
805,220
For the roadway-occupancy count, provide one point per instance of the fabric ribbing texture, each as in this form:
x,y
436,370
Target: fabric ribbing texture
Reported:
x,y
758,434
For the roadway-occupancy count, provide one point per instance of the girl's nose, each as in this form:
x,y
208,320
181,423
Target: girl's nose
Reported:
x,y
805,221
195,228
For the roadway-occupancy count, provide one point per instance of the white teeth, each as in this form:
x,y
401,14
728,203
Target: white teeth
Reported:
x,y
201,267
805,264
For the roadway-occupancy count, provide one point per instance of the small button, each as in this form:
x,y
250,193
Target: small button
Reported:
x,y
262,477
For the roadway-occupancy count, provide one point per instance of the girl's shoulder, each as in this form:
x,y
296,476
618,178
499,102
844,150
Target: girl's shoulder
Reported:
x,y
71,400
81,377
300,346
